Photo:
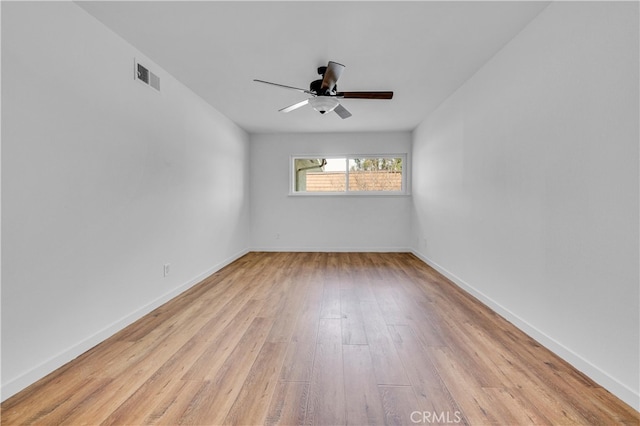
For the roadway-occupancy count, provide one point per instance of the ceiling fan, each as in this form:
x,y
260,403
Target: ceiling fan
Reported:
x,y
324,92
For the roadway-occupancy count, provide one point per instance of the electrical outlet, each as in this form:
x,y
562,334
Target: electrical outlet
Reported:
x,y
277,236
167,269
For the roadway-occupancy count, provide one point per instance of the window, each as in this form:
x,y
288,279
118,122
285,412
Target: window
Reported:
x,y
353,174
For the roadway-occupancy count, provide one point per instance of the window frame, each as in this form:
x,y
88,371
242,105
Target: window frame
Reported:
x,y
346,193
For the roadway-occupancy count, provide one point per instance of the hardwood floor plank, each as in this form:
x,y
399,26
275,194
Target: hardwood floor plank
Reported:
x,y
385,361
274,278
252,403
287,315
535,378
60,386
352,321
521,412
432,393
56,411
362,399
219,349
269,339
219,392
400,405
331,298
289,404
135,367
467,391
392,311
326,404
617,411
168,409
465,345
163,382
298,362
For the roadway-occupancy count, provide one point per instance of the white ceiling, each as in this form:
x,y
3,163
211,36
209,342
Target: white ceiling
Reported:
x,y
421,50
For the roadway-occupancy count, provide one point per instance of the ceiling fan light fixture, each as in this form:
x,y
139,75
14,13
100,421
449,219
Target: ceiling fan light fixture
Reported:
x,y
323,104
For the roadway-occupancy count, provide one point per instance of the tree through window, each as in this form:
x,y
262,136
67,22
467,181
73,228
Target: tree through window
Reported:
x,y
375,174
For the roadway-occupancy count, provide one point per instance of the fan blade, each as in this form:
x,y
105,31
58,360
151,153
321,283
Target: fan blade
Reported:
x,y
294,106
331,76
286,87
365,95
342,112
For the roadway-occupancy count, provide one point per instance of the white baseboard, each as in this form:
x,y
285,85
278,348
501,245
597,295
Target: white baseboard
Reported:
x,y
38,372
614,386
334,249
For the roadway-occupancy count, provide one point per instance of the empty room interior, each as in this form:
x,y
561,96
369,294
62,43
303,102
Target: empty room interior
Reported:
x,y
303,212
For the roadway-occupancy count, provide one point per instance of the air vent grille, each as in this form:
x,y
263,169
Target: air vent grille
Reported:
x,y
154,81
145,76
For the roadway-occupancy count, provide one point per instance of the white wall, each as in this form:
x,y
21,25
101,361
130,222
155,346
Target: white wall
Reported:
x,y
104,180
326,223
526,187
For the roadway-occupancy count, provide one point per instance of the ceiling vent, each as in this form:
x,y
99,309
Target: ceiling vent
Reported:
x,y
142,74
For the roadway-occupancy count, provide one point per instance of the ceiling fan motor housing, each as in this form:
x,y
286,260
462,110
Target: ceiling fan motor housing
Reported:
x,y
316,87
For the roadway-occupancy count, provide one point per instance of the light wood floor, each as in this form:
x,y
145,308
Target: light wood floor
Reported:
x,y
322,338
